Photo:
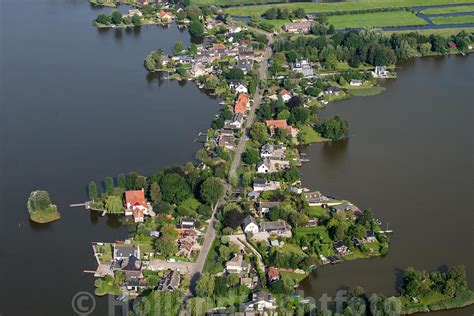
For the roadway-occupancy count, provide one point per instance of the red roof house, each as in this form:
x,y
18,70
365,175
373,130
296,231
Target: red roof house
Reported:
x,y
273,274
277,124
135,199
243,102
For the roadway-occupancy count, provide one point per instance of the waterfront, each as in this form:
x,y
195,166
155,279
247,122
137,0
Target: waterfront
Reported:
x,y
77,105
410,158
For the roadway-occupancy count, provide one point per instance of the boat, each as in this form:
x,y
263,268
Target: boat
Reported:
x,y
304,159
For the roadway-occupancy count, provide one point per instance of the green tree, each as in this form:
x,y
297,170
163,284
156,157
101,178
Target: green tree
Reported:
x,y
251,156
212,190
109,185
196,28
92,188
136,20
178,47
155,193
259,132
103,19
205,285
116,17
121,181
334,128
174,188
131,179
141,183
199,306
114,205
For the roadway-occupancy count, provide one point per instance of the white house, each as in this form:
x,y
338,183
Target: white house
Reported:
x,y
238,86
380,72
261,301
356,83
263,166
236,265
285,95
275,151
250,225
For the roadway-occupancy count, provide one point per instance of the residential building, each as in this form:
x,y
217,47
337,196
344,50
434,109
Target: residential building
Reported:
x,y
197,70
261,301
187,224
170,282
265,206
135,200
301,27
165,17
260,185
356,83
250,225
370,236
380,72
332,91
238,86
303,67
273,274
242,104
274,151
340,248
236,122
271,165
245,65
237,264
125,251
285,95
227,141
275,227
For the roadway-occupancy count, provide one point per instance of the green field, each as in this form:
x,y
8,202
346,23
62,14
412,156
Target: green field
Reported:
x,y
379,19
364,92
442,32
320,231
318,211
309,135
453,19
311,7
464,8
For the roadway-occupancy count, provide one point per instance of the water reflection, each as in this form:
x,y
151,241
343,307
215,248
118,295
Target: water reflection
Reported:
x,y
334,152
39,227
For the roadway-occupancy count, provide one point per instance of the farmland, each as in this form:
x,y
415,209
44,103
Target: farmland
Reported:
x,y
379,19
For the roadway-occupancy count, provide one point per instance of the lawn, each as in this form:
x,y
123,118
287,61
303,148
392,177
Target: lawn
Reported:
x,y
453,19
309,135
296,277
315,231
464,8
442,32
231,2
378,19
311,7
362,92
106,286
318,212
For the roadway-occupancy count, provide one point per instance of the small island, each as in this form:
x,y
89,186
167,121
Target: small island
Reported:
x,y
41,209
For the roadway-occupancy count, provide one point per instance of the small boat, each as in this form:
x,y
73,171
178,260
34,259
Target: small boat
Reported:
x,y
121,298
304,159
378,221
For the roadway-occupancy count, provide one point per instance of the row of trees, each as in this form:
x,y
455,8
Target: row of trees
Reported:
x,y
116,18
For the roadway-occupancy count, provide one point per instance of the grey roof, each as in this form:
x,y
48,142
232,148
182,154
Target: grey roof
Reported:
x,y
339,244
259,181
275,225
262,296
249,219
123,251
268,204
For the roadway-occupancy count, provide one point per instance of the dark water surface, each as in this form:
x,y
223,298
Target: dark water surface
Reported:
x,y
410,158
77,105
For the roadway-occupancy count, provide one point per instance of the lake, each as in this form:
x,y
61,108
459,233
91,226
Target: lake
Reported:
x,y
410,158
77,105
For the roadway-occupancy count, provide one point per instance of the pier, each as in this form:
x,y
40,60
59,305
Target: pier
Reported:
x,y
86,205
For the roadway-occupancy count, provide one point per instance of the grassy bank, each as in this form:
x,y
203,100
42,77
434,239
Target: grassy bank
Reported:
x,y
309,135
311,7
232,2
104,3
438,302
464,8
453,19
363,92
379,19
46,217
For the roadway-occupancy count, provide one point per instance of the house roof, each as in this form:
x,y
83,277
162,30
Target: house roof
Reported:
x,y
137,213
268,204
242,101
136,198
277,123
274,225
236,261
248,220
339,244
262,296
124,251
132,264
273,273
259,181
284,92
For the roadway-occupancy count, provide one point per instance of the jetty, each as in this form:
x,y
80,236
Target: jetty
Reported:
x,y
86,205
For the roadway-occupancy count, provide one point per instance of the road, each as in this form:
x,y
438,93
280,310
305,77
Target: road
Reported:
x,y
211,231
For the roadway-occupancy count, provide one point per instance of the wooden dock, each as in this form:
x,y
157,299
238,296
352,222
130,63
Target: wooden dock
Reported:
x,y
86,205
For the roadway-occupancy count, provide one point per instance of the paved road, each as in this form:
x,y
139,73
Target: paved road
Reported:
x,y
211,231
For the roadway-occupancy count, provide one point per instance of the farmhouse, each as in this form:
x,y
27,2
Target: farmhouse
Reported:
x,y
301,27
250,225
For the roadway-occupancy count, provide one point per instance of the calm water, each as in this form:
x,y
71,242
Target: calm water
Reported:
x,y
410,157
76,105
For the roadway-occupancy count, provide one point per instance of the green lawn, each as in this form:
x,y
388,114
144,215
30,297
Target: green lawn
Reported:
x,y
296,277
106,286
378,19
315,231
464,8
362,92
318,211
309,135
453,19
442,32
311,7
230,2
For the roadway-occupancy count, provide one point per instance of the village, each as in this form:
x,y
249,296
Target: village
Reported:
x,y
266,232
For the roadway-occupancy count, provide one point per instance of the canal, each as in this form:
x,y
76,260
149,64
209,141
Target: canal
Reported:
x,y
410,158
